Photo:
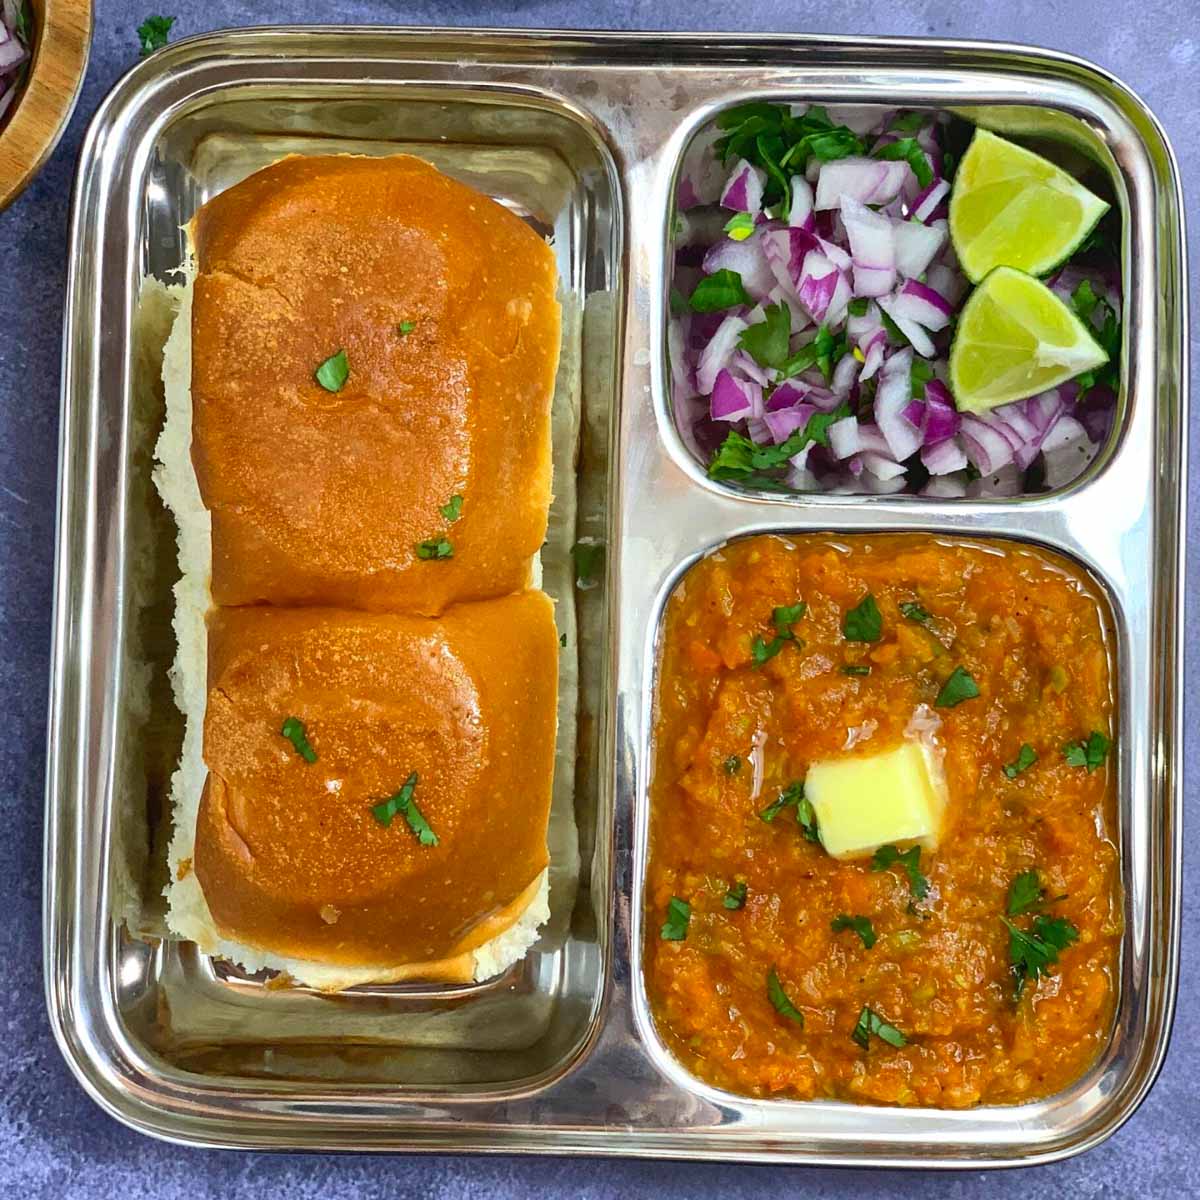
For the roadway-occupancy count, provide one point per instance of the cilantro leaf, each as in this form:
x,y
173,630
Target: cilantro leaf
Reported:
x,y
788,798
1107,332
333,372
913,611
779,999
1025,893
735,898
786,615
153,33
1032,954
742,460
910,122
910,860
293,730
856,669
825,351
1090,752
959,687
405,328
1025,759
861,925
718,291
870,1022
402,802
908,150
919,374
733,764
767,341
864,622
675,927
452,509
806,818
435,548
858,306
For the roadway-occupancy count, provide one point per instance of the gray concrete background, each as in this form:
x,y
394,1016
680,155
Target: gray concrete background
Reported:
x,y
53,1141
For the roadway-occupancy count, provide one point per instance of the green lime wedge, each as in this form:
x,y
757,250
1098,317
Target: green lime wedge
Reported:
x,y
1016,338
1013,208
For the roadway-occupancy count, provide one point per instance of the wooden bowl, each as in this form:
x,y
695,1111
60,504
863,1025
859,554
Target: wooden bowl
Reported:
x,y
61,38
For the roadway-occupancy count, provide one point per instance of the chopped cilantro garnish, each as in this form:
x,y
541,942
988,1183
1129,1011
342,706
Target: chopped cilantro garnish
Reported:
x,y
718,291
333,372
806,818
858,306
919,374
825,351
861,925
740,226
910,122
435,548
785,617
153,33
870,1022
1025,759
781,144
959,687
1025,893
736,896
908,150
402,802
293,730
732,765
1033,953
856,669
788,798
914,612
678,302
767,341
1090,752
588,558
562,639
779,999
675,927
1107,333
910,860
405,328
741,460
452,509
864,622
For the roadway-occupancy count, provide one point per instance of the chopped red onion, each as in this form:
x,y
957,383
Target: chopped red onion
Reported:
x,y
718,353
744,190
916,247
734,399
867,180
747,259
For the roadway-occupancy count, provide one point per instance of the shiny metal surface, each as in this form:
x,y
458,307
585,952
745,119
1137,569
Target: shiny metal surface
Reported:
x,y
605,1084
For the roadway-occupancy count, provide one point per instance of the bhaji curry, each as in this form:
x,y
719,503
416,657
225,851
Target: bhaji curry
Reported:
x,y
883,845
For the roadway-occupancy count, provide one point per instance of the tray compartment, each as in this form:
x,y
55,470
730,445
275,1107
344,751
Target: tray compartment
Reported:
x,y
208,1020
1115,1068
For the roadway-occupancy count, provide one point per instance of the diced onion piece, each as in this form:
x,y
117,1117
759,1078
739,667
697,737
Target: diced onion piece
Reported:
x,y
743,192
719,352
867,180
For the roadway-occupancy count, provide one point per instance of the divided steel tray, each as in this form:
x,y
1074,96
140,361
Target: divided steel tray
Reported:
x,y
582,134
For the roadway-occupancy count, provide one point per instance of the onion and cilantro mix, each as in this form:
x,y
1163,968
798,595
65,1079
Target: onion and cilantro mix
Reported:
x,y
16,46
815,298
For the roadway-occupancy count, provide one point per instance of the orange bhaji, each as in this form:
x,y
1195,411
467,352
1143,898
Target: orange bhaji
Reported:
x,y
980,972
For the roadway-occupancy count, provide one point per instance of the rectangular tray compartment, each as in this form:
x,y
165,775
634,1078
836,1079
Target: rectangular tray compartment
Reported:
x,y
1064,137
1067,1114
638,99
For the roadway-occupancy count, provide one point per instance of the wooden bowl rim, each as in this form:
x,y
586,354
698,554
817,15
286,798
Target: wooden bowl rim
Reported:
x,y
35,129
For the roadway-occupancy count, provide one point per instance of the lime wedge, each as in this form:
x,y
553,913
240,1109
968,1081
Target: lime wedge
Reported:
x,y
1016,338
1013,208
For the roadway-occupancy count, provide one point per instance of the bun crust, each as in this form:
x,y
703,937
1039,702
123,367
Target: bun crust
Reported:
x,y
320,498
288,853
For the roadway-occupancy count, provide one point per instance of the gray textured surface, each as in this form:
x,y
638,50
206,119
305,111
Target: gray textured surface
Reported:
x,y
53,1141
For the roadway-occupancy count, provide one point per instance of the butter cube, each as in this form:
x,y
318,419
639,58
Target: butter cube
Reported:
x,y
864,801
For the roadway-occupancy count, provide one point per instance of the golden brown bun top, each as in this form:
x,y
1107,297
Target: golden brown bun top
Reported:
x,y
321,498
289,854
